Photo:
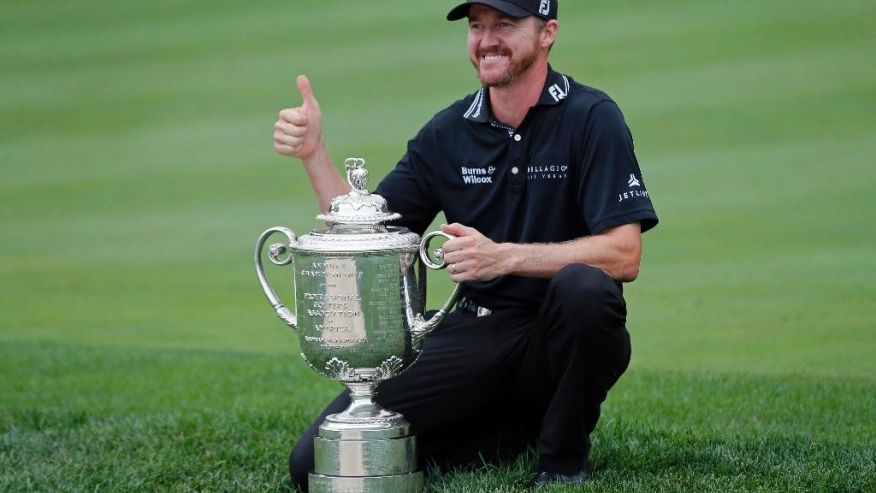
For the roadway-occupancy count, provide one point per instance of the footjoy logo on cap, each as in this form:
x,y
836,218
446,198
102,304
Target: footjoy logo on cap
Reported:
x,y
545,7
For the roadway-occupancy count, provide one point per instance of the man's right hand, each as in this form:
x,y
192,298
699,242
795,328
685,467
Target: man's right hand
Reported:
x,y
298,131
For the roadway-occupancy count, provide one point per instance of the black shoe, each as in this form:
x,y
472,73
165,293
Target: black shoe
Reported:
x,y
545,478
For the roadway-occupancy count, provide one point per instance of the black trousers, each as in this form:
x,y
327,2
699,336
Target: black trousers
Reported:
x,y
489,387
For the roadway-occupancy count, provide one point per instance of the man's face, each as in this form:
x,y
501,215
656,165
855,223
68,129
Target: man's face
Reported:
x,y
501,47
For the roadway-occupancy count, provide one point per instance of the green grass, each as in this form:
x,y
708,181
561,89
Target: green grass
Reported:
x,y
137,353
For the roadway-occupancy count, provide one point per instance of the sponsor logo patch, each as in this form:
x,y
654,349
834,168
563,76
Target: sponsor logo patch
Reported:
x,y
635,190
557,92
547,172
472,175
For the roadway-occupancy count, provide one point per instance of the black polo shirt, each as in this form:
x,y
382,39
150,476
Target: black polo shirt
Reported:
x,y
568,171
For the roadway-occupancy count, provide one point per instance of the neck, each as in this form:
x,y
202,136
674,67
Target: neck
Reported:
x,y
510,103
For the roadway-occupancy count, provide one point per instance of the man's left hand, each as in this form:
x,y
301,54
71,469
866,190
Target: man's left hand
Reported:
x,y
472,256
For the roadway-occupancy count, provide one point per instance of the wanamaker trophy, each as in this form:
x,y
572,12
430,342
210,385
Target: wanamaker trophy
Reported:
x,y
360,292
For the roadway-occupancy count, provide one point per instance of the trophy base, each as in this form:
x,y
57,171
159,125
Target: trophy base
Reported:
x,y
365,449
358,458
355,457
397,483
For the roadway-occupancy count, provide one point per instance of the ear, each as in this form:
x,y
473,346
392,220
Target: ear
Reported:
x,y
549,33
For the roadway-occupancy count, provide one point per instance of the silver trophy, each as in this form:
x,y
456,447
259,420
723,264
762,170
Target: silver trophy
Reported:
x,y
359,302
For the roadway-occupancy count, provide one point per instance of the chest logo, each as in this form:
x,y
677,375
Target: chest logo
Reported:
x,y
633,182
547,172
477,176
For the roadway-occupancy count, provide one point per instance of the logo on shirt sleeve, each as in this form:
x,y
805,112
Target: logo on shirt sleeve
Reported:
x,y
635,190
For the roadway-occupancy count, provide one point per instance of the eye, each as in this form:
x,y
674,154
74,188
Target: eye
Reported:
x,y
475,27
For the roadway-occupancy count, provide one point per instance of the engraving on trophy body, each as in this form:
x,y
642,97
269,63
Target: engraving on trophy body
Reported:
x,y
352,308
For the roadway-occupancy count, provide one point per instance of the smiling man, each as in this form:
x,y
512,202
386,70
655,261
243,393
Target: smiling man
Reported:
x,y
538,179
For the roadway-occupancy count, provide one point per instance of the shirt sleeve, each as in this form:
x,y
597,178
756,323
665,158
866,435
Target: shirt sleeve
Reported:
x,y
409,188
611,191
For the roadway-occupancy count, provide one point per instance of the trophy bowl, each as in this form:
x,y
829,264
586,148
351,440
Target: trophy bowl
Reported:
x,y
360,292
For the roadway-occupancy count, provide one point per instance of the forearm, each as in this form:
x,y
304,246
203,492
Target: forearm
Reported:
x,y
618,255
324,177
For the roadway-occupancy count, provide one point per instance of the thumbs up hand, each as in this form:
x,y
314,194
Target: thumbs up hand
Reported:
x,y
298,131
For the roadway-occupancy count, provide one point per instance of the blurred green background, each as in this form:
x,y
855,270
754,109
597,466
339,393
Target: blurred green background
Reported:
x,y
138,170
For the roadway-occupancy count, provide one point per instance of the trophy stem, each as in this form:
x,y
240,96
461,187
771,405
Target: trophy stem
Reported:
x,y
362,397
364,416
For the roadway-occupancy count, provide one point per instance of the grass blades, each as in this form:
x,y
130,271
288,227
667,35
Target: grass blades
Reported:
x,y
160,420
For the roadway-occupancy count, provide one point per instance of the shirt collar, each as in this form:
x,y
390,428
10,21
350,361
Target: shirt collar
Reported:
x,y
555,91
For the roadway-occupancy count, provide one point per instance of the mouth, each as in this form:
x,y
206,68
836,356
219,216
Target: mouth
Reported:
x,y
493,57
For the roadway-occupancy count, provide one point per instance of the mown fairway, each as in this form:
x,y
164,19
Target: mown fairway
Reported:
x,y
137,352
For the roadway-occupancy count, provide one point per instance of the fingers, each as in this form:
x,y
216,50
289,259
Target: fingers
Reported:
x,y
452,269
286,128
458,268
287,149
464,261
295,116
462,271
288,139
470,256
466,237
457,229
460,250
290,131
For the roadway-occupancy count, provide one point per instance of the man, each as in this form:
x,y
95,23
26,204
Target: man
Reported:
x,y
537,177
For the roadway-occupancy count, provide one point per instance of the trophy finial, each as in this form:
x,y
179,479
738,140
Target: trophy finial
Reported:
x,y
358,207
357,175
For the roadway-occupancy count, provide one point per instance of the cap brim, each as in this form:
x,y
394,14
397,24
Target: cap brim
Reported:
x,y
461,10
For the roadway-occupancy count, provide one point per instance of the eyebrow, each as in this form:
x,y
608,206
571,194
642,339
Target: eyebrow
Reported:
x,y
501,17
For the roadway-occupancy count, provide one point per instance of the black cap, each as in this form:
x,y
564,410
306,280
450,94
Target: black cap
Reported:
x,y
546,9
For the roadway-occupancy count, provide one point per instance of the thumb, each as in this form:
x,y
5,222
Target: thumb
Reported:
x,y
306,93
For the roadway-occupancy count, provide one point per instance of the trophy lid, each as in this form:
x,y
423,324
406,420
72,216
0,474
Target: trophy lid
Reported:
x,y
359,207
357,220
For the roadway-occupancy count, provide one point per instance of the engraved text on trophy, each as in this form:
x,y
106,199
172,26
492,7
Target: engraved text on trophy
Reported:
x,y
350,308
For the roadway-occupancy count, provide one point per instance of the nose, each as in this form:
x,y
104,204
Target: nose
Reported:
x,y
488,39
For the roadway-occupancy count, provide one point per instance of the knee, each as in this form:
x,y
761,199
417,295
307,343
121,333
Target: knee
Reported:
x,y
301,463
585,309
583,287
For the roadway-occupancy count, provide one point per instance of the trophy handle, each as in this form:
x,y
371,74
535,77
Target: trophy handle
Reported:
x,y
280,254
423,327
